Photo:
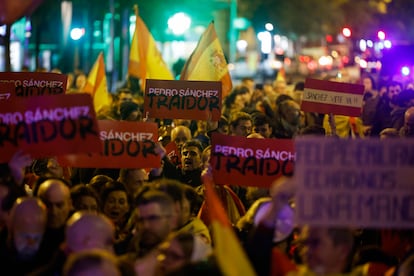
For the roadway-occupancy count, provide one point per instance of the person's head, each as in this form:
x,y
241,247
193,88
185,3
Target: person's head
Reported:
x,y
86,230
156,218
279,86
327,250
115,201
409,122
176,190
80,81
84,198
130,111
98,182
180,249
27,226
238,98
91,263
122,95
249,83
289,111
223,125
191,155
240,124
393,89
205,157
133,179
179,135
55,194
262,125
369,83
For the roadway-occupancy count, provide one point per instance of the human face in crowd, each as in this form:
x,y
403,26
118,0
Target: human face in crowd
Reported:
x,y
320,253
28,227
116,206
88,203
124,97
280,87
264,130
135,179
393,91
191,158
154,223
367,84
56,196
243,128
180,135
171,256
27,237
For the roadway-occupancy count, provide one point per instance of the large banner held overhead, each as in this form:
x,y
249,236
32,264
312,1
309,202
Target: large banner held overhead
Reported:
x,y
337,98
249,161
124,145
355,183
173,99
28,84
48,126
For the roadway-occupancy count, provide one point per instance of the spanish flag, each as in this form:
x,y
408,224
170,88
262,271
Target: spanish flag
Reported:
x,y
97,86
145,60
207,62
230,255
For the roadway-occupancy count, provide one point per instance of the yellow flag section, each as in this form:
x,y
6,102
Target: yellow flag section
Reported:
x,y
145,60
97,86
230,255
207,62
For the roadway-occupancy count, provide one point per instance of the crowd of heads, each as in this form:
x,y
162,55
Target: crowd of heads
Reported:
x,y
152,221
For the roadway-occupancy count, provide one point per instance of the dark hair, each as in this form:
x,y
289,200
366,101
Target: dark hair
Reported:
x,y
155,196
239,90
113,186
79,191
299,86
239,116
98,181
193,143
260,119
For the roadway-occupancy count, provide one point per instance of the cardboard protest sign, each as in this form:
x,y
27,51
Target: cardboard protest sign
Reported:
x,y
28,84
124,145
332,97
173,99
47,126
357,183
173,153
250,162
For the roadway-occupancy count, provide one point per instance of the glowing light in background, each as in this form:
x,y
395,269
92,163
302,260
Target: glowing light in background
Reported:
x,y
405,70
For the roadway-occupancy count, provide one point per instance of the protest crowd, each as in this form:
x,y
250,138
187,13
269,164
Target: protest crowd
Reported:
x,y
168,217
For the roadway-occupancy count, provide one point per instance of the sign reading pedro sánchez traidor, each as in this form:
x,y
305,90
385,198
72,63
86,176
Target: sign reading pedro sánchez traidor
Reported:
x,y
173,99
249,161
357,183
28,84
48,125
124,145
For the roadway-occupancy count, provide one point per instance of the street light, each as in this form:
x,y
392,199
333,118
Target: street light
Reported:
x,y
76,34
179,23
